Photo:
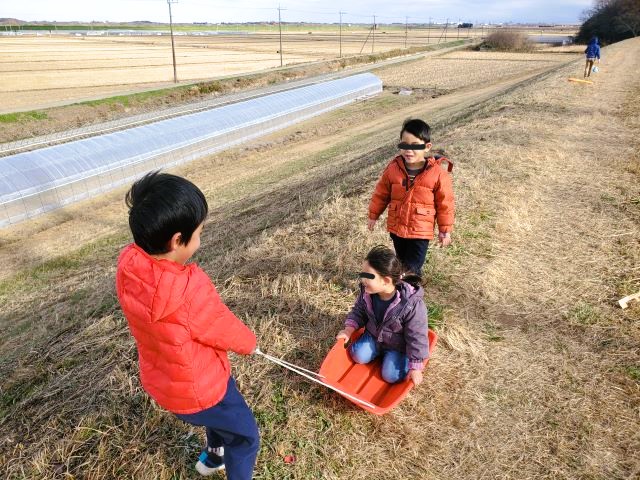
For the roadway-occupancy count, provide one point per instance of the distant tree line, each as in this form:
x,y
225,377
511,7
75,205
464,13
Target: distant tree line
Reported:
x,y
611,21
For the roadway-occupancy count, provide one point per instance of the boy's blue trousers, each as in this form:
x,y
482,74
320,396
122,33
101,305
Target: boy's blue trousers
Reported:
x,y
230,423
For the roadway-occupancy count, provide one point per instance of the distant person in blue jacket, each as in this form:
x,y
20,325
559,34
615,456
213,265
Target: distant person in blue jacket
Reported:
x,y
592,53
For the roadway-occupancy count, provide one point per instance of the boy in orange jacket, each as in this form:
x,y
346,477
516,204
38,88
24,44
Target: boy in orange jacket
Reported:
x,y
418,193
182,329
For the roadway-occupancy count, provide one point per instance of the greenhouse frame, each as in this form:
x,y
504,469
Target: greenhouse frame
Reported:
x,y
41,180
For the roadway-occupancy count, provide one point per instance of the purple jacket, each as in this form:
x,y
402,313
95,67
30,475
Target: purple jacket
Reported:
x,y
404,326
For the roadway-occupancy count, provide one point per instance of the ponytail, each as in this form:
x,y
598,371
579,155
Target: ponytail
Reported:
x,y
412,278
384,261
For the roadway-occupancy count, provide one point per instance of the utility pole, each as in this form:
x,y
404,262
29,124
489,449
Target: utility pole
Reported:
x,y
173,47
280,28
373,38
341,13
458,37
429,32
444,32
406,27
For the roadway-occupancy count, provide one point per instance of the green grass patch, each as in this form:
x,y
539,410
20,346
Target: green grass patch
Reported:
x,y
474,234
492,332
480,217
633,371
210,87
435,312
126,100
433,273
21,389
438,278
456,249
18,117
495,394
584,314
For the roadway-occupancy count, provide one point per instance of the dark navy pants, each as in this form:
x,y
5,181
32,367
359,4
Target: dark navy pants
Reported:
x,y
230,423
412,252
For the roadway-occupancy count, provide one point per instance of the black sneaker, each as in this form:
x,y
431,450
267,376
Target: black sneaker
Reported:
x,y
211,460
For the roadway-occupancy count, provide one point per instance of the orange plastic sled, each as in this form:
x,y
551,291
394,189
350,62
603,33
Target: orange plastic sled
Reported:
x,y
364,383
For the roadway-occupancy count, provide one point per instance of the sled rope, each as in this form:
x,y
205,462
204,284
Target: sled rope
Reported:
x,y
301,371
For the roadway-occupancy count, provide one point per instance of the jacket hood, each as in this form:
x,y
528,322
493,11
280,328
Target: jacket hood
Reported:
x,y
151,288
594,41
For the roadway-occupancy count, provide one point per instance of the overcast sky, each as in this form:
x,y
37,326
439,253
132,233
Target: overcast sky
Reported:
x,y
326,11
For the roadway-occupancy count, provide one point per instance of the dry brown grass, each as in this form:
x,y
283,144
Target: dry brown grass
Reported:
x,y
507,41
537,372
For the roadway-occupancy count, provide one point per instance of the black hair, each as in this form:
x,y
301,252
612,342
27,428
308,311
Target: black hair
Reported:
x,y
417,128
384,261
161,205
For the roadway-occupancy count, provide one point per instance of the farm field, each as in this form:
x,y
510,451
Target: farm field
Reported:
x,y
537,371
42,71
438,72
463,68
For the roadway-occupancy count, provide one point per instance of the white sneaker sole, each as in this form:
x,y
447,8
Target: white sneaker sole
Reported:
x,y
205,471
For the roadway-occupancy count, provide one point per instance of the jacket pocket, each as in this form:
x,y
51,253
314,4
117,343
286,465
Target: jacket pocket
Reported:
x,y
425,211
423,220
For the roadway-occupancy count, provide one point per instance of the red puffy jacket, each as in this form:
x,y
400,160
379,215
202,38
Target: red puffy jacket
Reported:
x,y
414,209
182,330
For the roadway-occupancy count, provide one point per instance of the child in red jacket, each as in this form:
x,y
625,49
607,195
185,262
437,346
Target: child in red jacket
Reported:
x,y
418,193
182,329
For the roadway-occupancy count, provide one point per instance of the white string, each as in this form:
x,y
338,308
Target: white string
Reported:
x,y
295,368
285,363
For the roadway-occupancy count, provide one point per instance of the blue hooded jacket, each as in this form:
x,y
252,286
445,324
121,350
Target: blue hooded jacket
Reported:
x,y
593,49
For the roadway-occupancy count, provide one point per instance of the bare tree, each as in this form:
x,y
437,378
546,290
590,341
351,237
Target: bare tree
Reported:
x,y
611,21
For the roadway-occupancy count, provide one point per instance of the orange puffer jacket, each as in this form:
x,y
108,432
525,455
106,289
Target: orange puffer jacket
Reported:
x,y
182,330
414,210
